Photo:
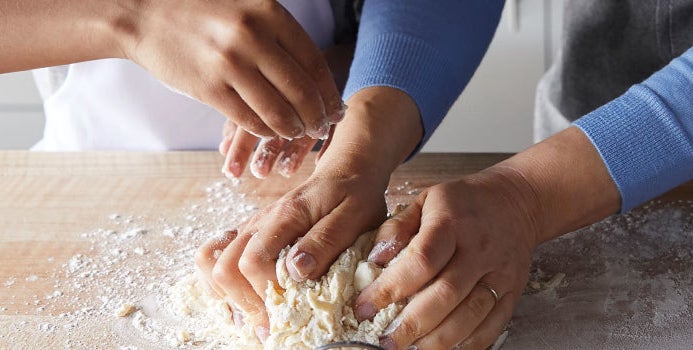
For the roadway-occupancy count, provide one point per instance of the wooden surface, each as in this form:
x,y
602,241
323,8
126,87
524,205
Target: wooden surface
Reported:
x,y
49,200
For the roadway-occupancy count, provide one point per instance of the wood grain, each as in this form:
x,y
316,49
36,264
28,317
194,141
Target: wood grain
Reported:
x,y
47,200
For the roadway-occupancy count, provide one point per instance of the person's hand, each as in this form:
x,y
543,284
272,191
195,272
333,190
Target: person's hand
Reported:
x,y
342,199
325,214
249,59
459,238
238,146
287,156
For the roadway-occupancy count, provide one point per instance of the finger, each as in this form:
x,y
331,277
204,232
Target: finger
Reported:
x,y
265,155
429,251
227,133
313,254
239,152
238,291
394,234
230,103
294,154
289,218
267,102
224,145
450,330
208,253
488,332
297,88
300,46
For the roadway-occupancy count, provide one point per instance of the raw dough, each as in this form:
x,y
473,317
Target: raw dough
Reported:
x,y
313,313
302,315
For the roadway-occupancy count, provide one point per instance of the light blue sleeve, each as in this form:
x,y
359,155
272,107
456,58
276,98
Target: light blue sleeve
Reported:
x,y
645,137
426,48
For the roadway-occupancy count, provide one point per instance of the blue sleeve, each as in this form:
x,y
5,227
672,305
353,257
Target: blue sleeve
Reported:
x,y
645,137
428,49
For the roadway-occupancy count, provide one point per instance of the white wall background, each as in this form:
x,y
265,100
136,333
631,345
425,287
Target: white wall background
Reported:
x,y
494,114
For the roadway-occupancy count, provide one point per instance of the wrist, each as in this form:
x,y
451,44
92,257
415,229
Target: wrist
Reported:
x,y
381,129
563,184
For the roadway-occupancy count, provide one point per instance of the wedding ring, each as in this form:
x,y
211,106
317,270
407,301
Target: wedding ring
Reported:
x,y
491,290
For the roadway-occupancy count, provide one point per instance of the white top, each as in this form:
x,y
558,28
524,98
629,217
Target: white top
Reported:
x,y
115,104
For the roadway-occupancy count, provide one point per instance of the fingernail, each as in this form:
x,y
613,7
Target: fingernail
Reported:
x,y
256,168
365,311
301,266
262,333
237,318
299,131
387,343
412,347
235,169
286,165
338,115
380,248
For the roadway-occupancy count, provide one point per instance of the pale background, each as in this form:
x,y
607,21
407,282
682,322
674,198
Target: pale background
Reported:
x,y
494,114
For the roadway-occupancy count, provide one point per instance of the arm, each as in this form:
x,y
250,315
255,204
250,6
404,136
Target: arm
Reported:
x,y
645,137
430,50
387,100
249,59
484,227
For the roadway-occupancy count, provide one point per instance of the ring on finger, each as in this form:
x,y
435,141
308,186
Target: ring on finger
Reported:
x,y
493,292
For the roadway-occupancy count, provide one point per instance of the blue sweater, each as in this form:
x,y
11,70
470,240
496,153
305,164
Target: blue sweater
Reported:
x,y
430,50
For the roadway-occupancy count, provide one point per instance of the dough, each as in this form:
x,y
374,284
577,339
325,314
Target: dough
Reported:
x,y
302,315
313,313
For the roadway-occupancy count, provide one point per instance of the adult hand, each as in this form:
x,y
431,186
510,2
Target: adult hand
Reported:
x,y
325,214
343,198
468,237
238,146
460,239
249,59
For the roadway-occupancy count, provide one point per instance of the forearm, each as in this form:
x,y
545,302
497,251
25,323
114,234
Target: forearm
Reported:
x,y
560,184
381,128
429,50
40,33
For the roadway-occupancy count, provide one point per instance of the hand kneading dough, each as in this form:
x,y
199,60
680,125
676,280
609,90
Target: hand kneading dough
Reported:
x,y
313,313
302,315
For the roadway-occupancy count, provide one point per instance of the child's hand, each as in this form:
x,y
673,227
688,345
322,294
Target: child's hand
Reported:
x,y
238,145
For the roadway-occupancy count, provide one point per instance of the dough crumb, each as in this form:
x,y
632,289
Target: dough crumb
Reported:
x,y
125,310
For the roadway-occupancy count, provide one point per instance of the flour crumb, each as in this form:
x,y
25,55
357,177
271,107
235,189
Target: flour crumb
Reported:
x,y
125,310
32,278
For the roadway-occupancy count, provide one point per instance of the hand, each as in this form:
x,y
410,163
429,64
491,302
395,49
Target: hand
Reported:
x,y
238,146
249,59
287,155
325,214
343,198
456,236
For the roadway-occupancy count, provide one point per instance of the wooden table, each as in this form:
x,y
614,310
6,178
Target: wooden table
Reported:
x,y
625,285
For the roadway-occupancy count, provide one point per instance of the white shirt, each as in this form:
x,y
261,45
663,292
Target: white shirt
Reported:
x,y
115,104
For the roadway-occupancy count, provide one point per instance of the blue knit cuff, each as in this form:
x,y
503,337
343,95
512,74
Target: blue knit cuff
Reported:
x,y
645,148
422,74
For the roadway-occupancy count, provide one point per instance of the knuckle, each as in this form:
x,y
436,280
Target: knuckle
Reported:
x,y
477,307
411,328
251,262
204,256
445,290
296,207
318,66
422,260
224,275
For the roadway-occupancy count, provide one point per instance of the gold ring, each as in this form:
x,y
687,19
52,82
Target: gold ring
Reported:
x,y
491,290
